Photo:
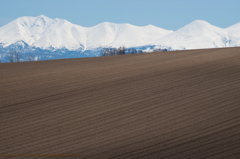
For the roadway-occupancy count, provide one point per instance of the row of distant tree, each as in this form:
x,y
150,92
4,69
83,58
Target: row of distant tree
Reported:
x,y
15,56
123,50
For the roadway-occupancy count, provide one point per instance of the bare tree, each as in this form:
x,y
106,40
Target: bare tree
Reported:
x,y
129,51
120,50
17,56
133,51
115,51
10,56
111,51
123,50
105,52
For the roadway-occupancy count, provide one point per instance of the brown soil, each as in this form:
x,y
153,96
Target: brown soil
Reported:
x,y
179,104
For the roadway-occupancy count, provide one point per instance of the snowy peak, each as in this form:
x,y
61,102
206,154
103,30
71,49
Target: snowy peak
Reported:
x,y
34,30
35,22
40,22
106,24
199,23
198,27
43,17
197,34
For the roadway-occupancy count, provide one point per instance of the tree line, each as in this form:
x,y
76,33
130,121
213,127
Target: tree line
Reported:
x,y
122,50
15,56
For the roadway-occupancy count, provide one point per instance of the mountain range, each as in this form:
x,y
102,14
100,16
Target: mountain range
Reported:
x,y
47,38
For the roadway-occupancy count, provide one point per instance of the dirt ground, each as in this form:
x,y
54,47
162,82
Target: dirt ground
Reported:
x,y
171,105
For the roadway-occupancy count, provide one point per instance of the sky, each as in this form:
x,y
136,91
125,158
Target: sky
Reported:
x,y
166,14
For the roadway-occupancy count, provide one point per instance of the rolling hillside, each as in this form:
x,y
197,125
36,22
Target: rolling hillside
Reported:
x,y
175,105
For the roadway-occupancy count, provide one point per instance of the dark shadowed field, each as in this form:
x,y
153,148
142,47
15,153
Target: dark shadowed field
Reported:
x,y
170,105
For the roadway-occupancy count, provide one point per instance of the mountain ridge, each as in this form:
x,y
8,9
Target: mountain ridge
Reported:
x,y
59,35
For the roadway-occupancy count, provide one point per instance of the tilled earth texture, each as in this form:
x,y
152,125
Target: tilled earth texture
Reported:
x,y
170,105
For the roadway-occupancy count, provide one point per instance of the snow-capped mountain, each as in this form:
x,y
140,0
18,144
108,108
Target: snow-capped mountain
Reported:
x,y
58,38
198,34
43,32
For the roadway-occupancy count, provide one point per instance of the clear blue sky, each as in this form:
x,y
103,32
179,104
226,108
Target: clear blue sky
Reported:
x,y
167,14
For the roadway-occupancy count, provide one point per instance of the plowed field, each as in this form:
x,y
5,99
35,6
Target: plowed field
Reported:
x,y
175,105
